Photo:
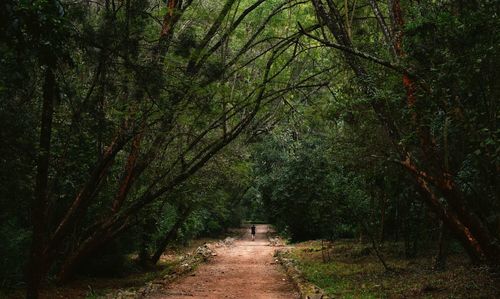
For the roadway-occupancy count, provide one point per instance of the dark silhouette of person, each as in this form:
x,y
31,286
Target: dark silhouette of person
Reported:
x,y
253,232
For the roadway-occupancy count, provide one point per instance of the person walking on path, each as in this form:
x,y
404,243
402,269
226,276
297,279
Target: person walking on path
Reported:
x,y
253,232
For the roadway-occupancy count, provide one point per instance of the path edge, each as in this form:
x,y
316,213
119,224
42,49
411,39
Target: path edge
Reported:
x,y
307,290
185,266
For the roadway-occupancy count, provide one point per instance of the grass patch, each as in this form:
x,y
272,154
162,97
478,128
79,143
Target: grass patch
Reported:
x,y
353,272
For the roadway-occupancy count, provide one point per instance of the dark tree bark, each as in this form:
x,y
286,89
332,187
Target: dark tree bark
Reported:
x,y
386,30
171,234
112,226
37,263
175,8
101,236
104,230
472,233
77,209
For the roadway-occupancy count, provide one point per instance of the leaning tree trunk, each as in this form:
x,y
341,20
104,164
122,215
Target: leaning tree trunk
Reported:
x,y
101,236
172,233
477,231
101,229
119,219
472,233
37,263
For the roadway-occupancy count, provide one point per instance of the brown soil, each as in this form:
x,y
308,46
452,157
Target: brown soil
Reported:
x,y
245,270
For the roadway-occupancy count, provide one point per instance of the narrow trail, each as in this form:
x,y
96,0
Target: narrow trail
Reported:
x,y
244,270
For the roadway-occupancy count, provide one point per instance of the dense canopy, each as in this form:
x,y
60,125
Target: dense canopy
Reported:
x,y
127,125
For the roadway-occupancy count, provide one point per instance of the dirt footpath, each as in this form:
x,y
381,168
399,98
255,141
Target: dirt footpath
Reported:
x,y
244,270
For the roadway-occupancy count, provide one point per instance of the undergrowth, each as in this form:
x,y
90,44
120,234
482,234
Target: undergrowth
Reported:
x,y
351,271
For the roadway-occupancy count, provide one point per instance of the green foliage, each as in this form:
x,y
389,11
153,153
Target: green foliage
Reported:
x,y
462,110
306,193
18,239
259,123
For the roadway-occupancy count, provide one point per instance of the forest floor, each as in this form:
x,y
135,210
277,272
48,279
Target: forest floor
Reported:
x,y
247,269
241,268
125,279
348,269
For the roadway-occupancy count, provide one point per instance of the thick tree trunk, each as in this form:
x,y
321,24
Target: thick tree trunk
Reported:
x,y
471,232
100,230
101,235
461,221
487,243
88,192
130,172
104,230
37,263
451,220
174,12
444,183
75,258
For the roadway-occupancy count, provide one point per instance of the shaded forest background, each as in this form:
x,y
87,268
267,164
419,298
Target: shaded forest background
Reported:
x,y
130,125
